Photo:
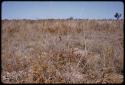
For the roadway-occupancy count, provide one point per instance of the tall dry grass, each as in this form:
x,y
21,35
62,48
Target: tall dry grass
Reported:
x,y
62,51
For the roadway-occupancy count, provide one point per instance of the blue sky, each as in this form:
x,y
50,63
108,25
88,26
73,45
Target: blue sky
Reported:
x,y
61,9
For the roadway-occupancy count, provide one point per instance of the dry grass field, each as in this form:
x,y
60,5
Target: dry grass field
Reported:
x,y
62,51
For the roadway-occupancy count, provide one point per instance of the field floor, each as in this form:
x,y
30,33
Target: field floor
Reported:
x,y
62,51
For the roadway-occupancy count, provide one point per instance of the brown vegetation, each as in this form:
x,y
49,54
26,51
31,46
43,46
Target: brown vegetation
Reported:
x,y
62,51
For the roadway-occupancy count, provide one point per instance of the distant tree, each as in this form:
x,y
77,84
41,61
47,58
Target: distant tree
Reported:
x,y
71,18
117,15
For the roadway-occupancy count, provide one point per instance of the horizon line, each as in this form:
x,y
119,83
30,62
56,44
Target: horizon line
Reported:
x,y
63,19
